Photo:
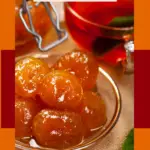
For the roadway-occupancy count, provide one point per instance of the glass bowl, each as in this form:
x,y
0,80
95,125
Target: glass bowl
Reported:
x,y
106,87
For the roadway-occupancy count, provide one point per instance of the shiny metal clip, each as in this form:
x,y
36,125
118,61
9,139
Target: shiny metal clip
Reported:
x,y
62,34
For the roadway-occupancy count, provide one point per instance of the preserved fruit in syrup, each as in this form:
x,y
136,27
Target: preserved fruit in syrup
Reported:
x,y
29,73
81,64
52,105
93,111
25,111
61,90
57,129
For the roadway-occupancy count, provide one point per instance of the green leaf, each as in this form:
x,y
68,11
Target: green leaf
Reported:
x,y
125,21
129,142
109,38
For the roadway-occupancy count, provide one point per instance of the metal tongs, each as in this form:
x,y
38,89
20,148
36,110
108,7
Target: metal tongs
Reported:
x,y
61,33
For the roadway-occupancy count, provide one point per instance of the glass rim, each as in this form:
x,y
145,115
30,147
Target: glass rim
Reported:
x,y
107,129
66,4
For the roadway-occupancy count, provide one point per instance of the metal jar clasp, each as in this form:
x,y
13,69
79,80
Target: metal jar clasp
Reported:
x,y
61,33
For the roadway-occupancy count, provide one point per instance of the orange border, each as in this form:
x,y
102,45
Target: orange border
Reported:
x,y
142,24
7,24
7,41
142,137
7,139
0,89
